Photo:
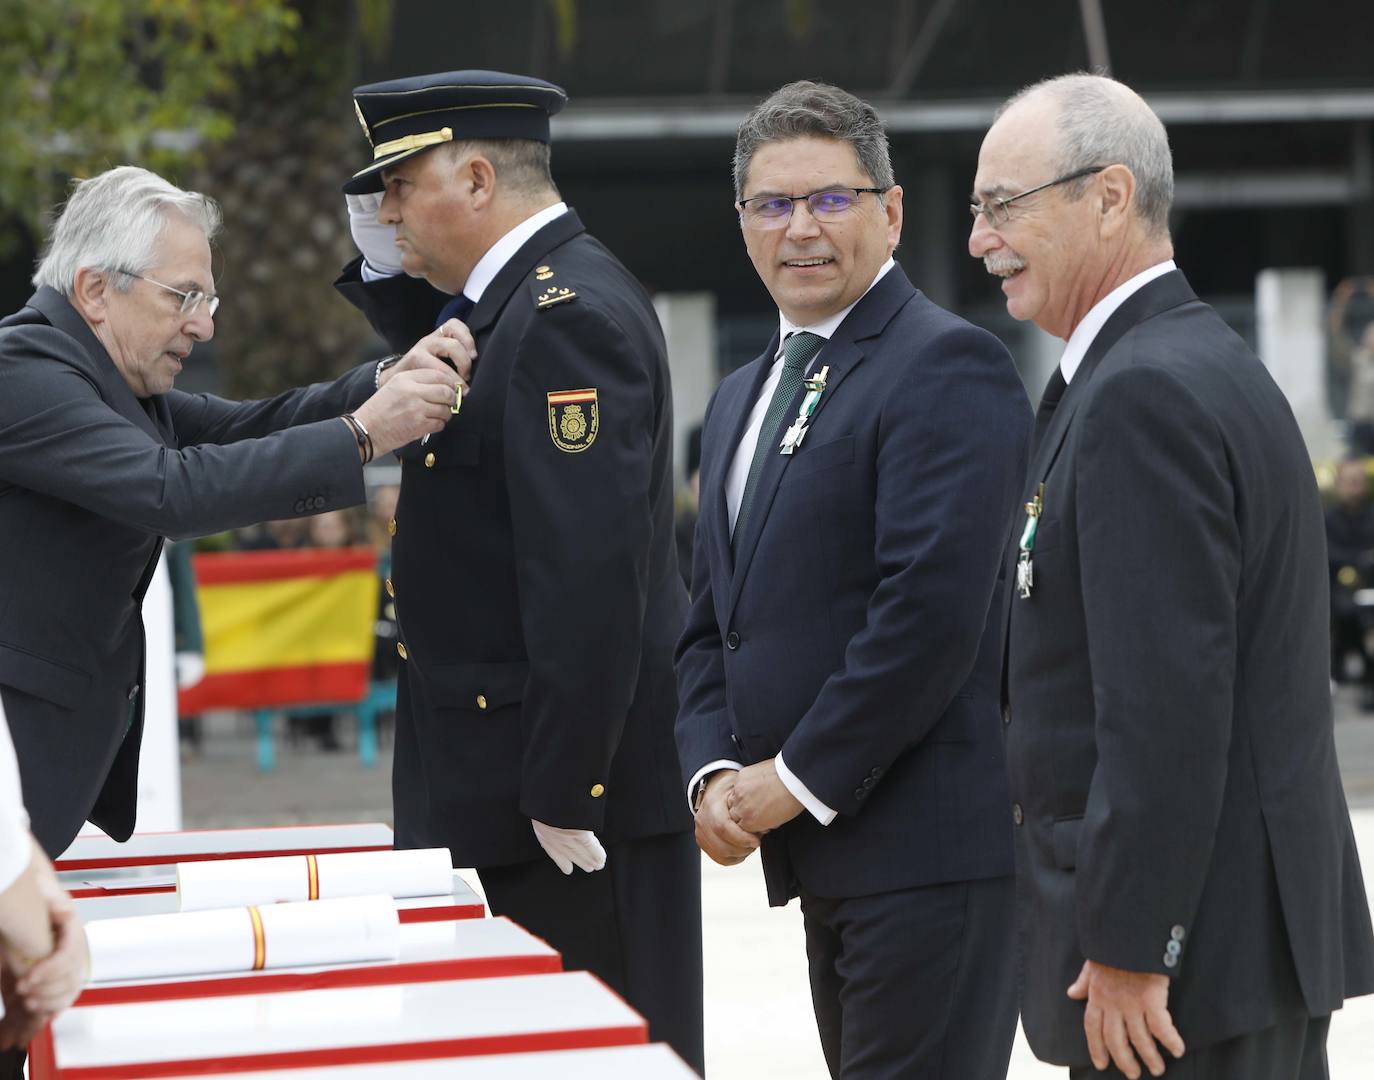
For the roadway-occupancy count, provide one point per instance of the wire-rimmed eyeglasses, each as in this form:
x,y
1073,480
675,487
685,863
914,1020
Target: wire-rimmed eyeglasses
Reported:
x,y
774,211
998,211
190,301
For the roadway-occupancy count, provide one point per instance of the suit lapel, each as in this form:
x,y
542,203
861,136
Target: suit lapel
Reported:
x,y
735,404
841,354
57,309
1164,293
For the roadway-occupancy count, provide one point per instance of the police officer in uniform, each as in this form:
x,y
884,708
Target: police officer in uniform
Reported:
x,y
534,571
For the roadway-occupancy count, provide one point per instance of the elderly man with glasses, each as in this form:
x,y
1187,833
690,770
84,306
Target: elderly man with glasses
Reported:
x,y
838,672
100,459
1191,901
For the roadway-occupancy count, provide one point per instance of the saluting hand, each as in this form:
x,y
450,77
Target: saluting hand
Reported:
x,y
717,834
760,801
1126,1009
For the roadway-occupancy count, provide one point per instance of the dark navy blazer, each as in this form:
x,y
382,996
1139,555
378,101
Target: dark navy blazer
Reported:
x,y
850,629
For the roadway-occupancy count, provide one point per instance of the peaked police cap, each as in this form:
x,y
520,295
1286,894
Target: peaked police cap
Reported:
x,y
405,116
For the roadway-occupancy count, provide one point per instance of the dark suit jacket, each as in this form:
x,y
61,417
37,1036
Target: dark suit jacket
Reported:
x,y
91,479
851,629
537,590
1170,737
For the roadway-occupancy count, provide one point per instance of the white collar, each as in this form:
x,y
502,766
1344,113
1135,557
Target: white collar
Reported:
x,y
827,327
490,264
1086,331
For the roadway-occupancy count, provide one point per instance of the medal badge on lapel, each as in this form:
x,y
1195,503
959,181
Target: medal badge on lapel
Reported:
x,y
574,419
792,438
1025,566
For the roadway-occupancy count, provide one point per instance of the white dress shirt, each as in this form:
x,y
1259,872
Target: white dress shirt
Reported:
x,y
736,477
490,264
15,848
1086,332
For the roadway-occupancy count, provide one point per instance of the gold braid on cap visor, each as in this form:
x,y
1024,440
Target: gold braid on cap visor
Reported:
x,y
411,142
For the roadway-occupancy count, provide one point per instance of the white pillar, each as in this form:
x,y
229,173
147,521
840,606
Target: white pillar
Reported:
x,y
1290,305
689,325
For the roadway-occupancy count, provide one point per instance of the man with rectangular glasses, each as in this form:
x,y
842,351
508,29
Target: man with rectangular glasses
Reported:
x,y
1190,896
838,673
100,458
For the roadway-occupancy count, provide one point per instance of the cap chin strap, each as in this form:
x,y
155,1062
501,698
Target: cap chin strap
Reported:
x,y
412,142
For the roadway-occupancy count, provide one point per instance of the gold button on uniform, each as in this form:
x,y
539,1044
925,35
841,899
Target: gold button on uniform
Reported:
x,y
401,650
391,527
598,790
481,701
429,460
390,588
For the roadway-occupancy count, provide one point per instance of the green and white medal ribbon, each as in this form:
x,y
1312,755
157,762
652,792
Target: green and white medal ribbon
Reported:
x,y
1025,569
815,387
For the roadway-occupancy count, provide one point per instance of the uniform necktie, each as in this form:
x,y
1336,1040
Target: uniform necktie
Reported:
x,y
1054,390
798,350
460,307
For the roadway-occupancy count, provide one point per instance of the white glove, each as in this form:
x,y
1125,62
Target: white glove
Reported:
x,y
190,669
376,241
570,847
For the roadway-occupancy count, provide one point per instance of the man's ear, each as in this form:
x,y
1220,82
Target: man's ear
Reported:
x,y
90,294
1115,194
482,175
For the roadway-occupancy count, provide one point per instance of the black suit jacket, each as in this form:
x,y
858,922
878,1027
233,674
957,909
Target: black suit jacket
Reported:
x,y
1170,738
534,568
854,627
91,479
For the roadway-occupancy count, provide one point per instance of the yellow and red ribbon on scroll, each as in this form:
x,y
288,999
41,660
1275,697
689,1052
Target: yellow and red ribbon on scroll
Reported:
x,y
312,873
284,627
259,940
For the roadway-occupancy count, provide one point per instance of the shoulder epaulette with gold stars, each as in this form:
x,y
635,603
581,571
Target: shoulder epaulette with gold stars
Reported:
x,y
553,294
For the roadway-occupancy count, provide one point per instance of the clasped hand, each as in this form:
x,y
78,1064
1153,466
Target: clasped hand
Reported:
x,y
738,807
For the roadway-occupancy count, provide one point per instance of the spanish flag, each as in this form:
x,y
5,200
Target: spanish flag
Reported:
x,y
284,627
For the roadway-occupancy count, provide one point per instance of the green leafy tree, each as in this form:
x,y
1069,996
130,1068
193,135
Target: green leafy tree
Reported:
x,y
94,83
246,100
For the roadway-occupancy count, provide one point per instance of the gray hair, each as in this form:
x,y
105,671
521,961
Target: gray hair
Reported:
x,y
1105,122
522,164
807,109
113,222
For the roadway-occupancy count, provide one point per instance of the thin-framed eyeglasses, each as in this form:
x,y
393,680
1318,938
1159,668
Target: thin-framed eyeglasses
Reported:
x,y
190,301
998,211
774,211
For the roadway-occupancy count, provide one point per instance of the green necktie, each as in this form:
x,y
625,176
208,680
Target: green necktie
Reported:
x,y
798,350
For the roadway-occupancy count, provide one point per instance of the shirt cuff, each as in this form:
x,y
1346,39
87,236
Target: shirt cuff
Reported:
x,y
16,850
802,793
705,771
369,274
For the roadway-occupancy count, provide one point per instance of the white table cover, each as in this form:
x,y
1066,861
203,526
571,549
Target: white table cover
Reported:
x,y
650,1062
348,1025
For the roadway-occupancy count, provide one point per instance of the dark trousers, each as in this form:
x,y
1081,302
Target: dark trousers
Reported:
x,y
636,925
917,983
1292,1050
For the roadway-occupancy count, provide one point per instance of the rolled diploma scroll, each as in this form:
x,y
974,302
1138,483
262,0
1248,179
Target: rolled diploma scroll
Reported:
x,y
235,882
244,939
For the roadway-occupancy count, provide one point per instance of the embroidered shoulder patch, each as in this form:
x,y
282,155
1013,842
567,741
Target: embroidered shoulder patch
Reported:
x,y
574,419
